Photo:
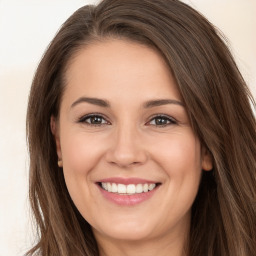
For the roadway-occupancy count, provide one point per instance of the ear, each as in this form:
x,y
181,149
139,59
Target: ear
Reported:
x,y
55,131
207,162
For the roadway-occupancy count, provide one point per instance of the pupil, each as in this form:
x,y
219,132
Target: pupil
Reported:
x,y
96,120
160,121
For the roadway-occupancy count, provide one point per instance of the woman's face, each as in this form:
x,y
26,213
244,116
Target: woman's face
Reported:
x,y
132,163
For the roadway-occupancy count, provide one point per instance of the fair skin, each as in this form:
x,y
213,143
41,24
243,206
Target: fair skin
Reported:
x,y
137,130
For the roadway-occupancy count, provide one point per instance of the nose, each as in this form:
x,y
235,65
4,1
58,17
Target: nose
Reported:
x,y
126,148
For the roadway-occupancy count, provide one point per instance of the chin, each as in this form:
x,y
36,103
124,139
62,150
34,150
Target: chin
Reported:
x,y
126,231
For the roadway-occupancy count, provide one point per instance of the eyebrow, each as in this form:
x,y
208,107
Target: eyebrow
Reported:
x,y
160,102
106,104
94,101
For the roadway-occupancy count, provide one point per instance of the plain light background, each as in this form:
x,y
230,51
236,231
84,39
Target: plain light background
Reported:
x,y
26,28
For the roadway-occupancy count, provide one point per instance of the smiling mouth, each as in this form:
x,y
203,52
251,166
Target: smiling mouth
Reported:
x,y
129,189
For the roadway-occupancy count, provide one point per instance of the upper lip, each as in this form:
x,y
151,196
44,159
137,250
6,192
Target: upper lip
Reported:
x,y
127,181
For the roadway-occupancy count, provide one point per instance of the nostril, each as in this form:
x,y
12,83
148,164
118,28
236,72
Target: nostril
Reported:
x,y
126,157
122,164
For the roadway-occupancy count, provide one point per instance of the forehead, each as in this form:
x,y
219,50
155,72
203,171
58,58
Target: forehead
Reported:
x,y
119,66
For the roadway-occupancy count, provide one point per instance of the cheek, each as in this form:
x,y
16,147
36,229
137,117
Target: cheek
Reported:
x,y
80,151
181,161
179,154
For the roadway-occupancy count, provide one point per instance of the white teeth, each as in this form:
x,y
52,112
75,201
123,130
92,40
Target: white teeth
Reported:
x,y
127,189
104,185
114,187
130,189
145,188
139,188
109,187
151,186
121,189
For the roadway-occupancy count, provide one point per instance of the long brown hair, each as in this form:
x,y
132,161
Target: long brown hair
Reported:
x,y
218,103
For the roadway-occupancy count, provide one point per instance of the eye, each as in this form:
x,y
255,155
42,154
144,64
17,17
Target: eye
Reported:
x,y
92,119
162,120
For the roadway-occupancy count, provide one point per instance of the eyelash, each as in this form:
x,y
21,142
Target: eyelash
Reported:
x,y
169,120
84,119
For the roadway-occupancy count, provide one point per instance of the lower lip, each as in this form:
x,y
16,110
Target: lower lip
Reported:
x,y
128,200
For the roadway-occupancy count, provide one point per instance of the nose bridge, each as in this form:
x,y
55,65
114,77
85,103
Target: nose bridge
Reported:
x,y
126,147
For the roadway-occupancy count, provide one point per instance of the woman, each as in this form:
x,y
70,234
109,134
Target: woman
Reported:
x,y
141,137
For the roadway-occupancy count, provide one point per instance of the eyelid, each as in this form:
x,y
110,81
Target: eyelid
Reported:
x,y
171,119
86,116
82,119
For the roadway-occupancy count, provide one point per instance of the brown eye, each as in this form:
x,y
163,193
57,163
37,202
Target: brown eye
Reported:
x,y
162,121
93,120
